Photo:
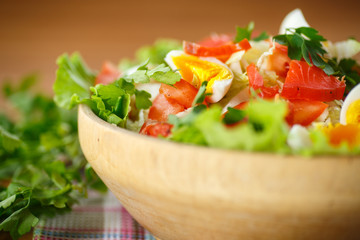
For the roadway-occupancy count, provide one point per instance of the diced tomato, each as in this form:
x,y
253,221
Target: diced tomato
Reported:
x,y
162,107
279,61
256,81
241,106
243,45
221,52
304,112
182,92
311,83
108,74
156,129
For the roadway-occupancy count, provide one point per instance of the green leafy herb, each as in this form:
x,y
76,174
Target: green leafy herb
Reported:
x,y
233,116
8,141
305,42
262,36
142,99
41,160
110,102
73,79
350,69
161,73
242,33
201,95
184,129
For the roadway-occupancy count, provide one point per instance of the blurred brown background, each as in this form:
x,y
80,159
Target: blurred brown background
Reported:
x,y
34,33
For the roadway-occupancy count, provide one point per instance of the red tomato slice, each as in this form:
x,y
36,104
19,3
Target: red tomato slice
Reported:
x,y
182,92
279,61
256,81
311,83
304,112
162,107
108,74
241,106
156,129
221,52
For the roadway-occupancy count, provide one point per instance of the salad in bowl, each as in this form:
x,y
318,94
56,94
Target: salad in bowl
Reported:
x,y
185,135
293,93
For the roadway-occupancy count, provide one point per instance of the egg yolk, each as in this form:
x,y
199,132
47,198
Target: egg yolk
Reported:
x,y
196,71
338,134
353,113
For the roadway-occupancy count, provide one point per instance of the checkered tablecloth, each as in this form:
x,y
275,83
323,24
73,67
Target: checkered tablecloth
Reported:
x,y
98,217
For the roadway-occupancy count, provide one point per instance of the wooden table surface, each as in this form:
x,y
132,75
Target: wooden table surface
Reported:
x,y
34,33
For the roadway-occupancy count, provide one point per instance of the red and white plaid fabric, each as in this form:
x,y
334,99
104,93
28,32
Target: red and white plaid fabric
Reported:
x,y
98,217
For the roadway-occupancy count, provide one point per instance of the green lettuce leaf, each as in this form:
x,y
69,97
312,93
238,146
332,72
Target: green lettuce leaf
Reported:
x,y
8,141
73,79
142,100
74,85
160,73
265,129
184,129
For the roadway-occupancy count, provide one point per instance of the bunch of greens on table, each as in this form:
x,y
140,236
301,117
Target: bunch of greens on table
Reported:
x,y
42,169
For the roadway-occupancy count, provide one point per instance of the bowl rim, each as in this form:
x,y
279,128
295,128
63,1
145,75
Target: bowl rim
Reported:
x,y
90,114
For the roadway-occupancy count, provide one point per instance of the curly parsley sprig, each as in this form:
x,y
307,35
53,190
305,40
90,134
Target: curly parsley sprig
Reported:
x,y
43,171
305,42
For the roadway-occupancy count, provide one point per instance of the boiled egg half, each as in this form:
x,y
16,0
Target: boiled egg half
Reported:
x,y
294,19
196,70
350,111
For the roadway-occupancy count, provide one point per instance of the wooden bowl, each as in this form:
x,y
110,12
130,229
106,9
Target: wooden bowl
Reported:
x,y
179,192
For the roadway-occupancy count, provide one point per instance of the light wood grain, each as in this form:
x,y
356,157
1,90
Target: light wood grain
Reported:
x,y
181,192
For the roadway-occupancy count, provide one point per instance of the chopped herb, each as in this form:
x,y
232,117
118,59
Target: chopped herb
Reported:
x,y
142,100
233,116
200,96
350,69
305,42
262,36
242,33
161,73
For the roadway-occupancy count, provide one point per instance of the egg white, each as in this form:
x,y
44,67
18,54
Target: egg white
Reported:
x,y
294,19
219,88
